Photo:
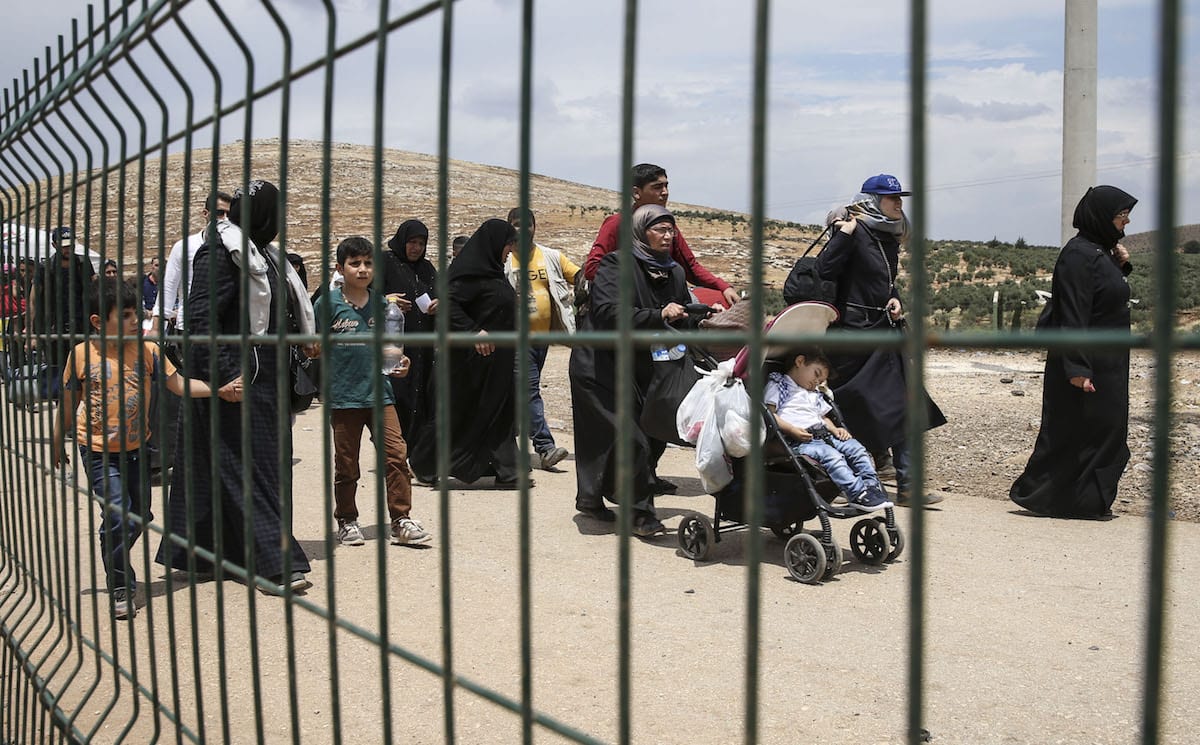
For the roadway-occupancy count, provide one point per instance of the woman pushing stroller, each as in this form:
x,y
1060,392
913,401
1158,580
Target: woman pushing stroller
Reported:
x,y
802,414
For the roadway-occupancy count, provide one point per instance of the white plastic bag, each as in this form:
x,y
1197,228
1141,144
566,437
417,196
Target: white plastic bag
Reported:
x,y
731,410
714,469
697,406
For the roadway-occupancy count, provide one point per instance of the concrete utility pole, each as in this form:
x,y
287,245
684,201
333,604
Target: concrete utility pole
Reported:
x,y
1079,107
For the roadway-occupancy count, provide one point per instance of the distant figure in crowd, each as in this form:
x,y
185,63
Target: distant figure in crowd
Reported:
x,y
481,301
219,450
170,304
110,269
150,284
410,278
863,257
660,294
650,186
59,303
457,246
110,375
352,375
1081,450
551,308
297,262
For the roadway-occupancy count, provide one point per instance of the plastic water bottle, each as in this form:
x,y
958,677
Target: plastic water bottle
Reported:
x,y
677,352
393,325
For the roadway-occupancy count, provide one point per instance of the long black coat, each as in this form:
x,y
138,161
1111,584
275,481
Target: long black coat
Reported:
x,y
200,448
482,435
414,404
869,386
1081,450
593,373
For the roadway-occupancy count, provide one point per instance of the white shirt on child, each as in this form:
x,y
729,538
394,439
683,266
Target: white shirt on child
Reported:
x,y
793,404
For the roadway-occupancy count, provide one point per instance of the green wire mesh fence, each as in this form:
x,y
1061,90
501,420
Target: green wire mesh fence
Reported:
x,y
121,132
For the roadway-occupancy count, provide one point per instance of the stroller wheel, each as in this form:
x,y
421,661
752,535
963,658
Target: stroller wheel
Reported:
x,y
833,558
897,537
804,557
869,542
696,536
786,531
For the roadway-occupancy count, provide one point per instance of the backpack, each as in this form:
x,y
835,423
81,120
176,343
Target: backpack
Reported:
x,y
804,283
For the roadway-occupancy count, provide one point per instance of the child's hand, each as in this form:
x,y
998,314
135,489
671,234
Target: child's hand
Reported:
x,y
231,391
401,369
841,433
802,435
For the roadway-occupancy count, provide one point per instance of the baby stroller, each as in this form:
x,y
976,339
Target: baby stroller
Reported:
x,y
794,488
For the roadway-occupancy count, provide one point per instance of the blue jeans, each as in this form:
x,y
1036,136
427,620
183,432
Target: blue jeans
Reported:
x,y
539,431
846,461
118,485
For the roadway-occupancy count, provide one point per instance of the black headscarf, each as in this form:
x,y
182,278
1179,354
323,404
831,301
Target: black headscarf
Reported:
x,y
408,229
1095,212
263,225
483,254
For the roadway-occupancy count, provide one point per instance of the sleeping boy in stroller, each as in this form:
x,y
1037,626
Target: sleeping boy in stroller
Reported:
x,y
802,413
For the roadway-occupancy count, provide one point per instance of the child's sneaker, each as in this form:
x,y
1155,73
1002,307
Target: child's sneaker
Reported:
x,y
870,500
123,606
406,530
350,534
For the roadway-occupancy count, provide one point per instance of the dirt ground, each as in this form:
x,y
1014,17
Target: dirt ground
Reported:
x,y
1034,627
992,401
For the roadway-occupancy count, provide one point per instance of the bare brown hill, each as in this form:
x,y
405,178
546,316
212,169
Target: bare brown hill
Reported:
x,y
1139,242
569,214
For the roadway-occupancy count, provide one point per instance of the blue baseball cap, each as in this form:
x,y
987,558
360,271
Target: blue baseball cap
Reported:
x,y
63,236
884,184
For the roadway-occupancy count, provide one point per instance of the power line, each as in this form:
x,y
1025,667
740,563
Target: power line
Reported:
x,y
974,183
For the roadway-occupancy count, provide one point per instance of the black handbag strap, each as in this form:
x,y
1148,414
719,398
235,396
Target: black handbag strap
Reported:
x,y
816,240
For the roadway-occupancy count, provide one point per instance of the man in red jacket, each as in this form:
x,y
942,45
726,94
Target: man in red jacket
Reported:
x,y
650,187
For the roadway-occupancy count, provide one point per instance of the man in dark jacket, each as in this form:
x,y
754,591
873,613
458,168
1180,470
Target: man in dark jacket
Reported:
x,y
58,303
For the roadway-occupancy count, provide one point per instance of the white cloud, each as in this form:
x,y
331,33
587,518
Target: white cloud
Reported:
x,y
837,87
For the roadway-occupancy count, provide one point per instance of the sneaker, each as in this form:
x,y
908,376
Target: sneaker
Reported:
x,y
406,530
298,583
552,457
123,607
349,533
645,526
870,500
903,499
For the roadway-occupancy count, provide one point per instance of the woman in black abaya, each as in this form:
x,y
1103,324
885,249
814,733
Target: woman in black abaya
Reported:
x,y
482,437
1081,450
408,273
660,294
257,214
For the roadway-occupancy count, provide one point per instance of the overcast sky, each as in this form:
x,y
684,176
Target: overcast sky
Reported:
x,y
838,95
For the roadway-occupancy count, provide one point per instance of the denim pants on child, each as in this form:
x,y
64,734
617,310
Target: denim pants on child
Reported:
x,y
117,482
846,461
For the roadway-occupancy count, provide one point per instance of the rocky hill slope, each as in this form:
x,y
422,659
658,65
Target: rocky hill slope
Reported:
x,y
569,214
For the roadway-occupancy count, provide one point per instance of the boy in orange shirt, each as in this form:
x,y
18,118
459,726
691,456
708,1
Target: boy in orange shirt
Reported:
x,y
110,375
